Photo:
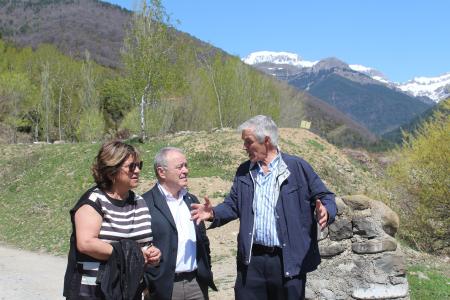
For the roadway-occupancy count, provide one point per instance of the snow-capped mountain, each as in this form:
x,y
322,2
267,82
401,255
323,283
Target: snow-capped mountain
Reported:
x,y
375,74
435,88
361,93
279,58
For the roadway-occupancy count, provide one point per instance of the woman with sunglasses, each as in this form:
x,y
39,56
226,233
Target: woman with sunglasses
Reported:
x,y
107,213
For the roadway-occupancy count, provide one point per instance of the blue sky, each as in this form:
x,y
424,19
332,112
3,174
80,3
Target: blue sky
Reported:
x,y
401,38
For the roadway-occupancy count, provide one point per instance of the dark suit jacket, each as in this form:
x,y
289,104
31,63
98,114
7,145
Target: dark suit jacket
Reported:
x,y
165,237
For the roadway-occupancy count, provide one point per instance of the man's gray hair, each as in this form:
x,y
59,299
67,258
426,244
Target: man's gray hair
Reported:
x,y
161,158
262,126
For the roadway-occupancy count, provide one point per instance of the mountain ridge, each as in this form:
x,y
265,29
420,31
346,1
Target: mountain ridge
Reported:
x,y
436,88
377,106
67,24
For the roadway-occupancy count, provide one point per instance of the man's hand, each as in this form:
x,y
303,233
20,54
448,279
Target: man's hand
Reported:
x,y
152,255
202,212
321,214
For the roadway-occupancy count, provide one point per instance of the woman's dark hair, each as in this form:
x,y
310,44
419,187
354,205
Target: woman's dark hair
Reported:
x,y
109,160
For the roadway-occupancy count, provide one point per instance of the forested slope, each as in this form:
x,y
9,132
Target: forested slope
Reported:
x,y
68,91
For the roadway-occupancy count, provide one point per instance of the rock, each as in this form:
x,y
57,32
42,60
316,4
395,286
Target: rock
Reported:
x,y
321,234
397,280
309,294
346,267
357,202
341,207
332,249
365,226
340,229
374,246
319,284
341,296
422,276
360,257
327,294
391,264
389,219
381,291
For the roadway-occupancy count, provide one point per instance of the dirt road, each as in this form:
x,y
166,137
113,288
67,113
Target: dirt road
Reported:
x,y
29,275
37,276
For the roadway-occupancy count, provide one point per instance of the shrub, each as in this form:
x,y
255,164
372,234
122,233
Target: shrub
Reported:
x,y
91,127
421,176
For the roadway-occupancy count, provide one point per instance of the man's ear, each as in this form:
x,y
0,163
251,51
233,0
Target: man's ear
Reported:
x,y
267,141
161,172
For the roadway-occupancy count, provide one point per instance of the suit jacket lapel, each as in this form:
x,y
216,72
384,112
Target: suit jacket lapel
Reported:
x,y
188,200
161,204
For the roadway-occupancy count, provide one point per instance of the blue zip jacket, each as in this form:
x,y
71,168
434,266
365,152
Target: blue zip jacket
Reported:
x,y
296,224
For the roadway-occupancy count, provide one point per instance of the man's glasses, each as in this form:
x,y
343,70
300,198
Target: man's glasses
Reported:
x,y
134,165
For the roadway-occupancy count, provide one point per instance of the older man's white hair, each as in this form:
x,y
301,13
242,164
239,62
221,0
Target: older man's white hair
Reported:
x,y
161,158
262,126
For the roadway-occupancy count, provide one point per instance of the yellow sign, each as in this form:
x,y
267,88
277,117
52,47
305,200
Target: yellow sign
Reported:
x,y
305,124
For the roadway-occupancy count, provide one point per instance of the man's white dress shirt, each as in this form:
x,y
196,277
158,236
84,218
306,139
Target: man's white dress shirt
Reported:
x,y
187,248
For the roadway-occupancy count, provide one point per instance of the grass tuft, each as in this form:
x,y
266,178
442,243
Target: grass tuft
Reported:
x,y
428,283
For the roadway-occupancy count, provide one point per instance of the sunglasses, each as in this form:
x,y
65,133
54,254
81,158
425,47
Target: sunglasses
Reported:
x,y
134,165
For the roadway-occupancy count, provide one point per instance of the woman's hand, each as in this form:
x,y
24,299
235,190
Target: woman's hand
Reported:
x,y
152,255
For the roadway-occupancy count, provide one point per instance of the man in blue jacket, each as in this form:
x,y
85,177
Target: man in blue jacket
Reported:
x,y
278,198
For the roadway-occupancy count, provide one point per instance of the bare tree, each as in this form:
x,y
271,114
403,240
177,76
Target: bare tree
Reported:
x,y
46,98
206,64
146,56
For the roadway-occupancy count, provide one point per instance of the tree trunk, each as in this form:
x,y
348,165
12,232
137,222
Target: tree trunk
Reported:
x,y
59,114
143,136
218,99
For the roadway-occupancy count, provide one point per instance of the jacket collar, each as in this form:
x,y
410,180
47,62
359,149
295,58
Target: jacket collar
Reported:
x,y
283,171
162,206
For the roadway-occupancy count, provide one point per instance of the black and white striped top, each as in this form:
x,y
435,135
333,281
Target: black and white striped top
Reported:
x,y
122,219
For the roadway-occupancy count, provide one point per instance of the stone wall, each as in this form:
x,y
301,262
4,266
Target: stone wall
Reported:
x,y
360,256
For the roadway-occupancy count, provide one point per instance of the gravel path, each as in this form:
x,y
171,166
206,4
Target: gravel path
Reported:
x,y
39,276
29,275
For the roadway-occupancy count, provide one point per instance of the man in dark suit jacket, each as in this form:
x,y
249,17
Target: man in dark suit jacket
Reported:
x,y
185,268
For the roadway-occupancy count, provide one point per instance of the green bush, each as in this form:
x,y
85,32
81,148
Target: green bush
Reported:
x,y
421,175
158,119
91,127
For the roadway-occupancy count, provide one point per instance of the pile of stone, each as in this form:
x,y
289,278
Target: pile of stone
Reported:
x,y
360,256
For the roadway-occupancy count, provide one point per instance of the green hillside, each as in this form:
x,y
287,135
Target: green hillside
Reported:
x,y
396,135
